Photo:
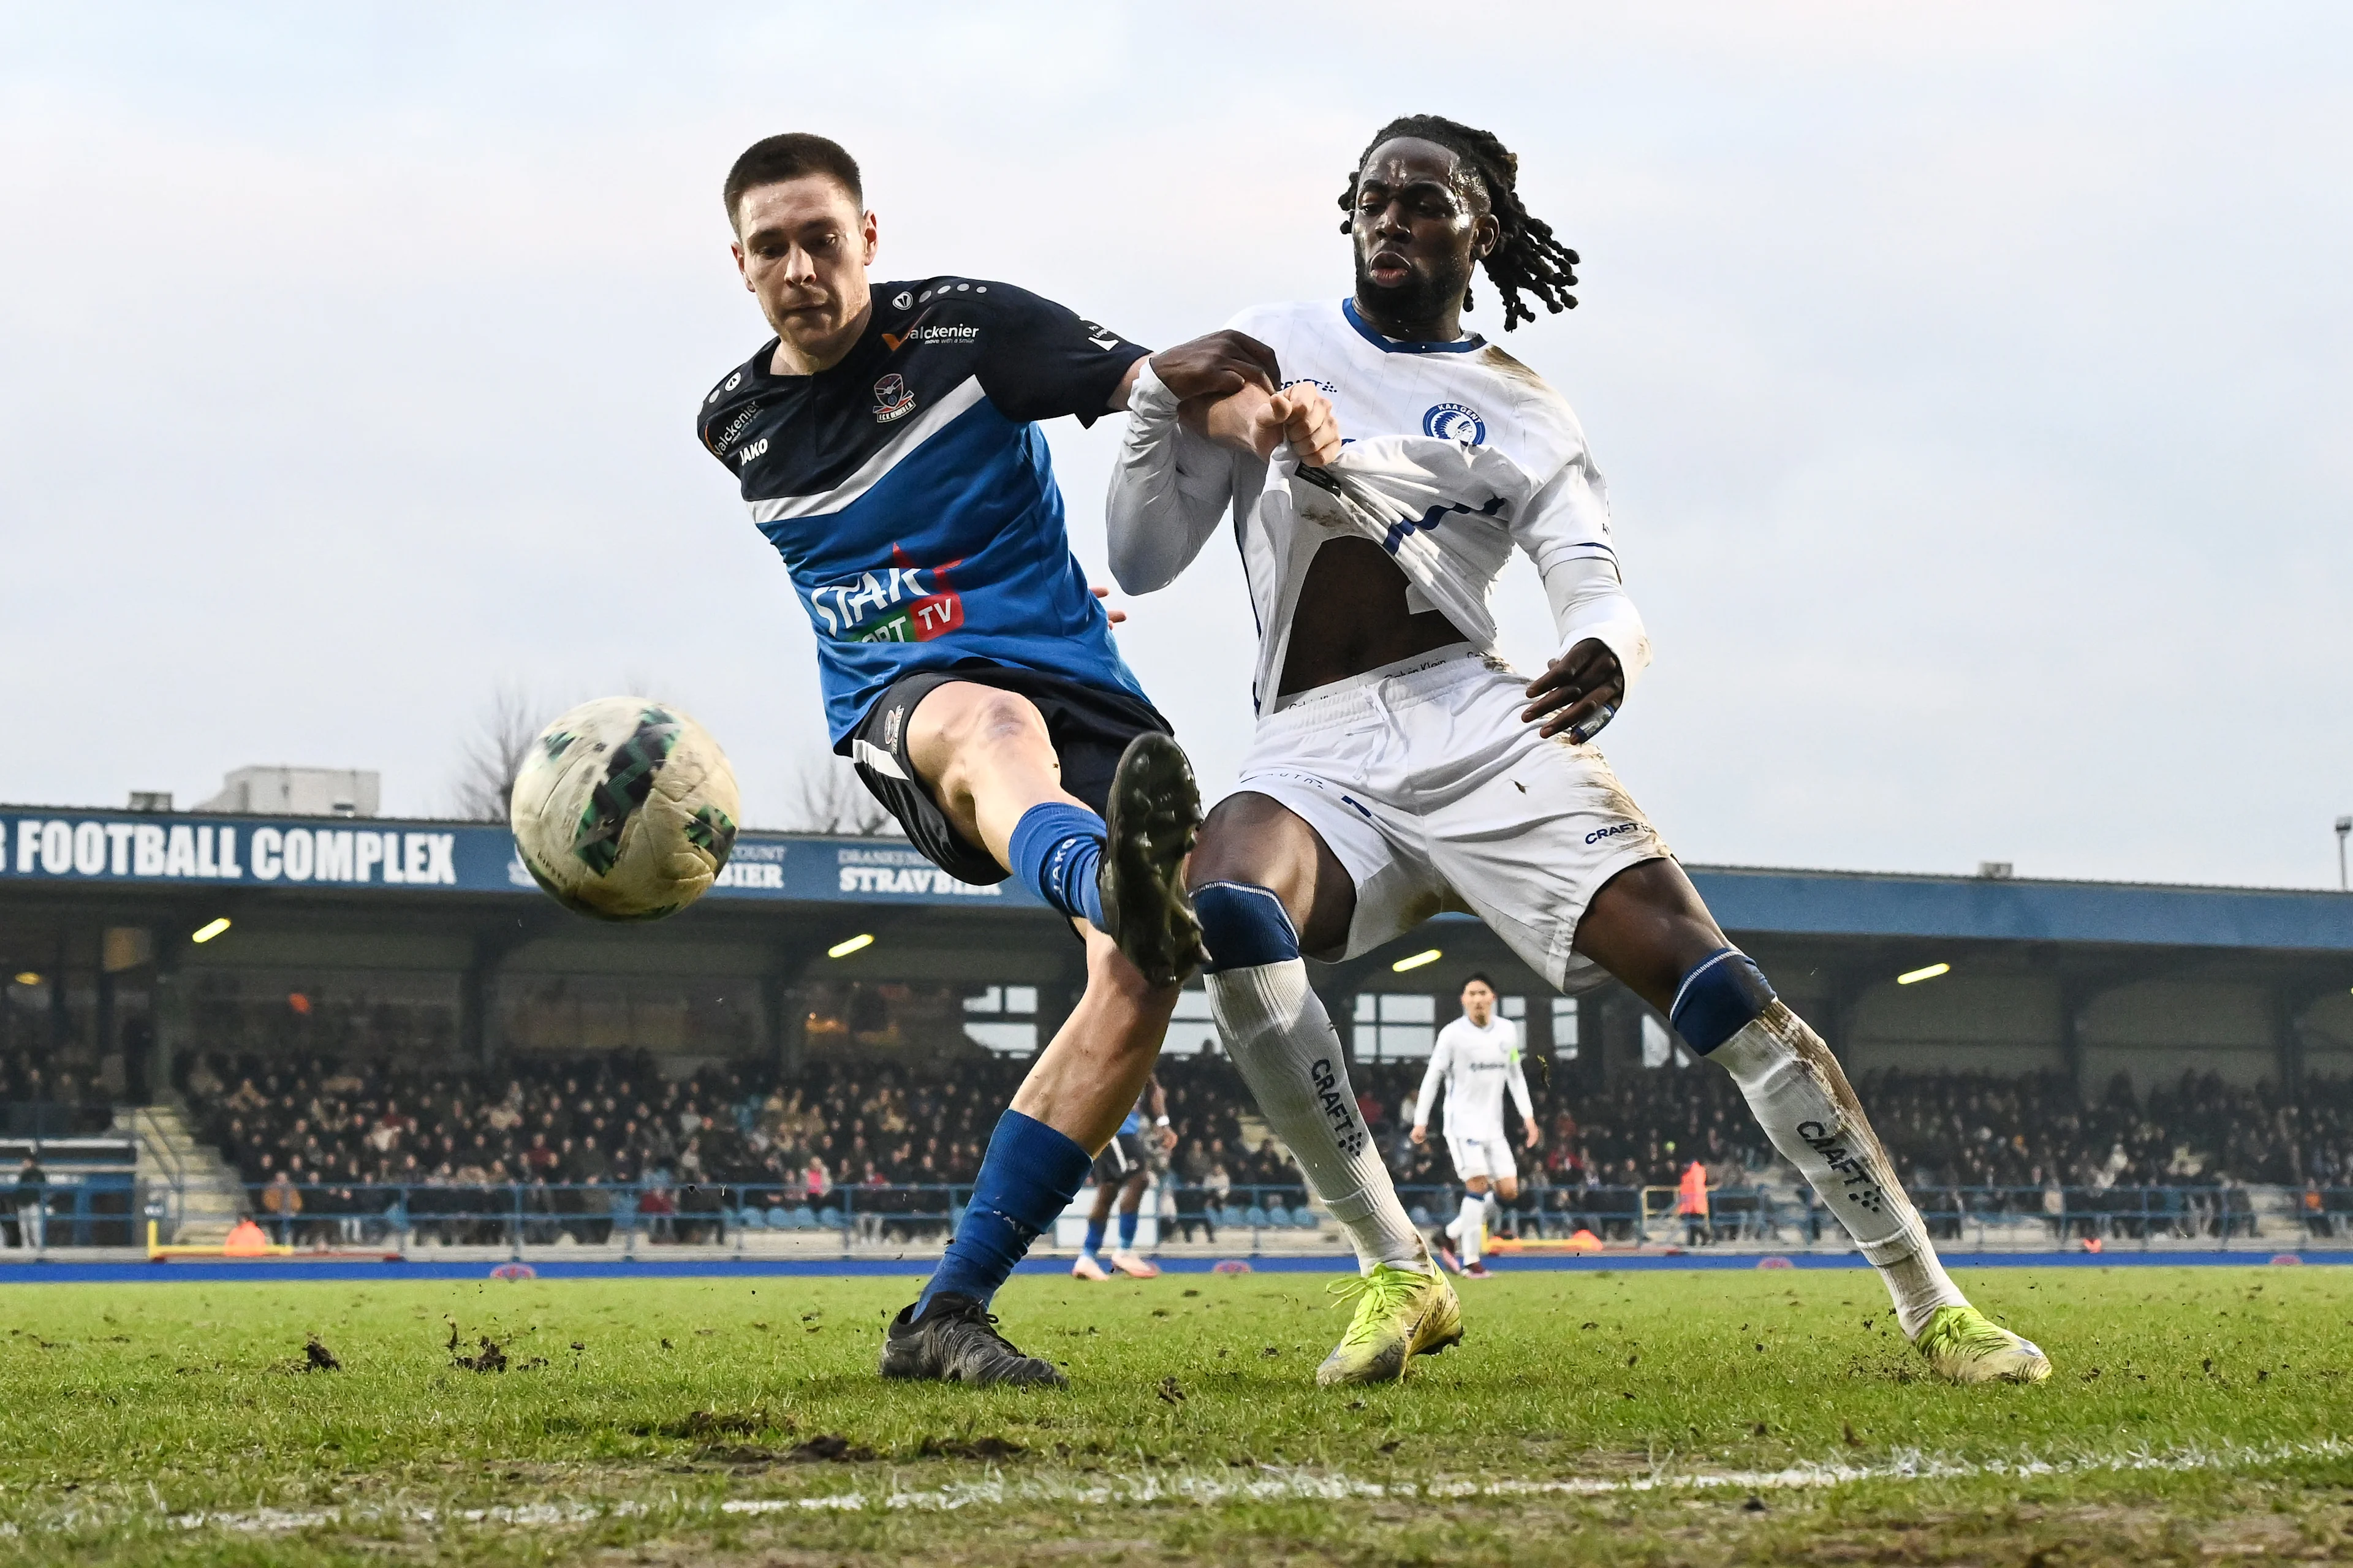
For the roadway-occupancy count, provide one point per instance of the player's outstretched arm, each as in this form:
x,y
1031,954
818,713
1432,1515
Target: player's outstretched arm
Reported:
x,y
1174,478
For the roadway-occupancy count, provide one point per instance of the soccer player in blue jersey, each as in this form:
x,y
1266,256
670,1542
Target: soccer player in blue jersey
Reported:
x,y
885,441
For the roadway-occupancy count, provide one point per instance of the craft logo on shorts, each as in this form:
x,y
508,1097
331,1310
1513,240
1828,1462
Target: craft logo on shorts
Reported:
x,y
893,400
1455,422
1599,833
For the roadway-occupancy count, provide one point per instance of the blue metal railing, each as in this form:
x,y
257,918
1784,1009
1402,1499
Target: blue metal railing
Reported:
x,y
95,1209
661,1211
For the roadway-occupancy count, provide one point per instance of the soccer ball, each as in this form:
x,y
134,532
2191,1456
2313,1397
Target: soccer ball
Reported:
x,y
625,809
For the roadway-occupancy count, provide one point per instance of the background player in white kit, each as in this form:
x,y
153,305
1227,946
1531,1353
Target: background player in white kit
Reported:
x,y
1477,1059
1399,767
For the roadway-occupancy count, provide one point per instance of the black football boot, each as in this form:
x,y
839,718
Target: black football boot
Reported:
x,y
956,1341
1154,813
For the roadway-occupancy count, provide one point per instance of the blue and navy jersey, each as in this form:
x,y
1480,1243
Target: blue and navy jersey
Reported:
x,y
909,491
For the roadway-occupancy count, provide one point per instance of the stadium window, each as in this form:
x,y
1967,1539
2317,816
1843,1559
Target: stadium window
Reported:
x,y
1002,1019
1564,1029
1388,1027
1193,1029
1657,1046
1516,1008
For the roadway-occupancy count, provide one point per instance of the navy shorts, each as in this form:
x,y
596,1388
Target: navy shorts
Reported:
x,y
1090,727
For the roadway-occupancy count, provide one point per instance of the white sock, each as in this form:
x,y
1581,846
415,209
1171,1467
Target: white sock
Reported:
x,y
1473,1217
1281,1038
1806,1108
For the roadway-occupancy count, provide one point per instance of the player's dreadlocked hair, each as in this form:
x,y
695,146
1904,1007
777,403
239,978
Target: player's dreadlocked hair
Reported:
x,y
1526,258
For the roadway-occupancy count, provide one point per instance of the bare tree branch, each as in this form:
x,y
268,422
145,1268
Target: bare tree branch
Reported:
x,y
487,768
828,798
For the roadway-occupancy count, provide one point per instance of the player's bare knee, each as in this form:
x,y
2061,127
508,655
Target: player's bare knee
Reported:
x,y
957,738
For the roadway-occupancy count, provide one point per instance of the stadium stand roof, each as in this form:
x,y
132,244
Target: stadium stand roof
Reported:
x,y
367,859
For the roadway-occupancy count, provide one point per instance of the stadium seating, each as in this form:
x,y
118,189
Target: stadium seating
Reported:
x,y
593,1146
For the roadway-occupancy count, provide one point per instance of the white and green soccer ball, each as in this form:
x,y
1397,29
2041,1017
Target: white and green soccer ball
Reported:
x,y
625,809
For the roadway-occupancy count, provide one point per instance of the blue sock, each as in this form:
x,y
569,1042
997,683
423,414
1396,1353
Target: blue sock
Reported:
x,y
1056,847
1127,1229
1027,1178
1093,1248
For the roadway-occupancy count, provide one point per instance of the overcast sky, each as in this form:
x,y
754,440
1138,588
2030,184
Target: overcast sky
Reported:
x,y
1971,380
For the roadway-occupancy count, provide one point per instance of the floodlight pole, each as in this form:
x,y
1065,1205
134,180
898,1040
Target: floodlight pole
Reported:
x,y
2343,830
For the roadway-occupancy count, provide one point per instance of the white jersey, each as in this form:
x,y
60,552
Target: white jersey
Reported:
x,y
1457,453
1476,1066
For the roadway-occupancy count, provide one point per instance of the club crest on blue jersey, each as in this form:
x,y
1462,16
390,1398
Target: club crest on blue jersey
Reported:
x,y
1455,422
891,398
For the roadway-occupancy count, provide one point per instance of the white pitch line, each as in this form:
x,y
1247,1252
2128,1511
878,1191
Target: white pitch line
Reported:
x,y
1303,1485
1275,1485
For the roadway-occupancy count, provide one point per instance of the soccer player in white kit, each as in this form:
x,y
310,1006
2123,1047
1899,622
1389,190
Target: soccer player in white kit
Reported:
x,y
1399,767
1477,1059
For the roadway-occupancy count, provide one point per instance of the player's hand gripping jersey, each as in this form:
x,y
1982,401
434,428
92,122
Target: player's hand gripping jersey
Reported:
x,y
1420,777
1457,453
909,491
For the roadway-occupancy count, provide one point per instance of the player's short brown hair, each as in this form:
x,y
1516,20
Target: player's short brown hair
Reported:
x,y
773,160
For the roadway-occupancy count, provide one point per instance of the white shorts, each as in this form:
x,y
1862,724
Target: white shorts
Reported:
x,y
1434,794
1488,1155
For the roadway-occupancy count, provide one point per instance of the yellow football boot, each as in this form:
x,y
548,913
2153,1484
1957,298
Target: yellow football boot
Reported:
x,y
1400,1313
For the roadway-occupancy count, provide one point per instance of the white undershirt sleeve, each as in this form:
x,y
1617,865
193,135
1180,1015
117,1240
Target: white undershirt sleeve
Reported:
x,y
1169,490
1564,529
1441,1056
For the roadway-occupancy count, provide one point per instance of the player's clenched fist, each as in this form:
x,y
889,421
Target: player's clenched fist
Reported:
x,y
1257,422
1302,416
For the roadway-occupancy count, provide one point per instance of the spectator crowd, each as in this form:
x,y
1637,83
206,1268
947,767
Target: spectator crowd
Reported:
x,y
579,1145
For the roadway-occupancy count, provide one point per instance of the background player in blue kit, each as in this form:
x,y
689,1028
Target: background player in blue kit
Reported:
x,y
1122,1171
884,441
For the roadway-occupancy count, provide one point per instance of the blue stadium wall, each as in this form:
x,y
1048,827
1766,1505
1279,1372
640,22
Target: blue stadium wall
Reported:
x,y
428,939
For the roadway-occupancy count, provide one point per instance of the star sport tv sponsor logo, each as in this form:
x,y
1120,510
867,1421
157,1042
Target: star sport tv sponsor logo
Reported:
x,y
892,399
899,602
1455,422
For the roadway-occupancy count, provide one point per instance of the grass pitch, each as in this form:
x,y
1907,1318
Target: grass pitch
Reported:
x,y
1590,1417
